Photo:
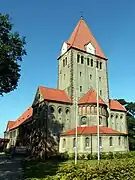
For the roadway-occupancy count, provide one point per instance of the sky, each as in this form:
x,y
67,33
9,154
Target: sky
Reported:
x,y
47,24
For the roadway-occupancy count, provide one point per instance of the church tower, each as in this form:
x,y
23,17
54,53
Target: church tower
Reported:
x,y
77,64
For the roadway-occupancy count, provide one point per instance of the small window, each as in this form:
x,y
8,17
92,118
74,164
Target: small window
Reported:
x,y
64,76
119,140
116,116
121,117
90,76
100,141
78,58
63,62
59,110
80,88
82,59
100,92
97,64
64,143
88,61
87,142
100,79
80,74
111,116
100,65
91,62
83,120
74,142
110,141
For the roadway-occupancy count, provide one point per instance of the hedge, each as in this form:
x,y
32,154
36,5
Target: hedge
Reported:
x,y
110,155
115,170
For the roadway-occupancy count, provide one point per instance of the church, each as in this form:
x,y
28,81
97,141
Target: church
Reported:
x,y
53,111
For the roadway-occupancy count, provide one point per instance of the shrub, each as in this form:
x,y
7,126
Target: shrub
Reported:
x,y
89,156
95,156
104,155
81,156
110,155
72,156
107,170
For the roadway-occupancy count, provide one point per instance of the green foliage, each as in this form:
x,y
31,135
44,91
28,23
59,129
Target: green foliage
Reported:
x,y
130,107
11,52
106,170
89,156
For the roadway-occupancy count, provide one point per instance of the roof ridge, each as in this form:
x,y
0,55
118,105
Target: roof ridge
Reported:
x,y
76,31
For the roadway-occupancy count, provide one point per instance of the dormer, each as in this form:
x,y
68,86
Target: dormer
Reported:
x,y
64,48
90,48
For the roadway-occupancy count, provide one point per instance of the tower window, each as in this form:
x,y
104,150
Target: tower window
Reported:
x,y
82,59
100,92
80,88
100,79
78,58
97,64
100,65
64,76
63,62
90,76
66,60
91,62
88,61
80,74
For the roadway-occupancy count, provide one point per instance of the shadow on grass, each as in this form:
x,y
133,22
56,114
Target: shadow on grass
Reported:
x,y
40,169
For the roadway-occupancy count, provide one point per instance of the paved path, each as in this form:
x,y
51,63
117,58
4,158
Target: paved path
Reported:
x,y
10,168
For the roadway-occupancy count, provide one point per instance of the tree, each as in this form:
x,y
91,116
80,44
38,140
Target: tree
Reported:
x,y
11,52
130,107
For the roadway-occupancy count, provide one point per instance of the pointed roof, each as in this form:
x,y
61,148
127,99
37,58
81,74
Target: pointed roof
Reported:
x,y
91,130
54,94
81,36
25,116
115,105
90,97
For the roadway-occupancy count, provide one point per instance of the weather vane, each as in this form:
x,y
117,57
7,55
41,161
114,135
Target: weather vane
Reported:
x,y
81,12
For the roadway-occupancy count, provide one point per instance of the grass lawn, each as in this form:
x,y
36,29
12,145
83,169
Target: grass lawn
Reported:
x,y
36,170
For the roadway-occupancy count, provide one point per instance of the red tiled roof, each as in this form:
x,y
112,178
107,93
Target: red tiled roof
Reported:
x,y
115,105
90,130
25,116
9,125
54,94
81,36
90,97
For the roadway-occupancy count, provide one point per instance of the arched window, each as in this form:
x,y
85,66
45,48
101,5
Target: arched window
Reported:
x,y
87,142
83,120
119,140
100,65
100,141
74,142
111,141
64,143
67,111
100,120
60,110
51,109
91,62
